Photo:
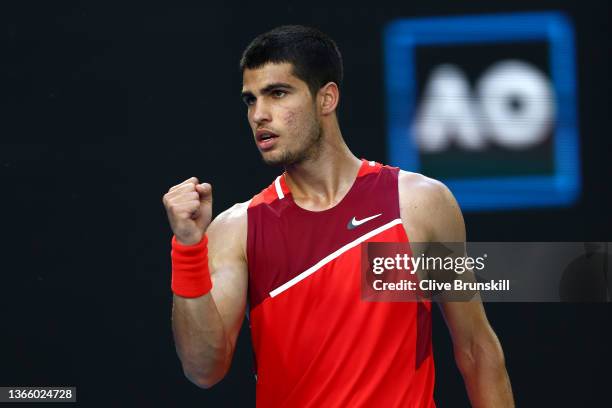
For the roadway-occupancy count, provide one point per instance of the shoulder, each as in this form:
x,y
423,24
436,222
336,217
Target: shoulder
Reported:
x,y
232,218
418,190
229,228
429,206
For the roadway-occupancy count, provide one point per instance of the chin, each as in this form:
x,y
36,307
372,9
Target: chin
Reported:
x,y
273,159
282,158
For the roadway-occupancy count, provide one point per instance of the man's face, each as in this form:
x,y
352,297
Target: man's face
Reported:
x,y
282,114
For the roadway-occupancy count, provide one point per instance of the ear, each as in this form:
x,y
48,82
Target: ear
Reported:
x,y
329,96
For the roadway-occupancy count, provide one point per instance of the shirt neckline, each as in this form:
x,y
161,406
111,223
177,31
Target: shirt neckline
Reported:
x,y
289,196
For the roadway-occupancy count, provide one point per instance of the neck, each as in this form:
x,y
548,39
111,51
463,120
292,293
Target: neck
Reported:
x,y
321,181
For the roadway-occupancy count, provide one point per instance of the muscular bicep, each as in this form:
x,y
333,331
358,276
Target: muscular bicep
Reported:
x,y
429,208
433,222
228,267
463,311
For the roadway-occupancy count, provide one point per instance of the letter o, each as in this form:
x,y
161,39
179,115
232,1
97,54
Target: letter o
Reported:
x,y
528,121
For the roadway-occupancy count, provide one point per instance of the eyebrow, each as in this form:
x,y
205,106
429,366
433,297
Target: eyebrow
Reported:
x,y
269,88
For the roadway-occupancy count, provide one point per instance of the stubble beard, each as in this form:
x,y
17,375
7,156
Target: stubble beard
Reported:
x,y
307,150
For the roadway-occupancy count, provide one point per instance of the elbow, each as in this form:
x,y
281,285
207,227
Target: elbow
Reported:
x,y
205,375
481,356
202,380
206,372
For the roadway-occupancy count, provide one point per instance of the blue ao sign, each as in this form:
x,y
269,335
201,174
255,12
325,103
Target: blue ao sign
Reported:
x,y
486,104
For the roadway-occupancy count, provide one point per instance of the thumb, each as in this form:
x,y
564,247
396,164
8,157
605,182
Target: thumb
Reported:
x,y
205,191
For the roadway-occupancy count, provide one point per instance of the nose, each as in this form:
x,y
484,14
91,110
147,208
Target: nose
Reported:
x,y
260,112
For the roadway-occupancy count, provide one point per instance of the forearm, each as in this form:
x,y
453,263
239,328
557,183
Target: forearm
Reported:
x,y
485,375
201,340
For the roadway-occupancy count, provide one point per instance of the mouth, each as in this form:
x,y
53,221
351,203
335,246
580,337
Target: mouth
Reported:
x,y
265,139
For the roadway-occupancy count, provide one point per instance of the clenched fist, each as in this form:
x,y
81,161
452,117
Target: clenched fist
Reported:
x,y
189,209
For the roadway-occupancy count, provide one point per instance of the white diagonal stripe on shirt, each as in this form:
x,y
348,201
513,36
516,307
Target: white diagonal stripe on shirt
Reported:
x,y
333,256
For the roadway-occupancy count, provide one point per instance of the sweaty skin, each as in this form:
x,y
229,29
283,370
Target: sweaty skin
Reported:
x,y
320,170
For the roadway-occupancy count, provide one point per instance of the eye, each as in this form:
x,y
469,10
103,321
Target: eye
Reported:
x,y
279,93
248,100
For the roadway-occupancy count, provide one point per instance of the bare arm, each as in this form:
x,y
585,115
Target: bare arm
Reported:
x,y
478,354
206,328
431,214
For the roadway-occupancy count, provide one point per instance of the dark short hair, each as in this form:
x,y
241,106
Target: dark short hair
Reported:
x,y
315,57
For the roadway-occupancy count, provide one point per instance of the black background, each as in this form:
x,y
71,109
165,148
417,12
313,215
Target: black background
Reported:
x,y
105,106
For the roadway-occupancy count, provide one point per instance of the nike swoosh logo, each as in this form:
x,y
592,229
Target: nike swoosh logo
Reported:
x,y
354,223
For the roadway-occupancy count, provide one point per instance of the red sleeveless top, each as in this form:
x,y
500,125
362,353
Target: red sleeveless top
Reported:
x,y
316,343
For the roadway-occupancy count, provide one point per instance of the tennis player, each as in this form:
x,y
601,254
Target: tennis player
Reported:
x,y
292,254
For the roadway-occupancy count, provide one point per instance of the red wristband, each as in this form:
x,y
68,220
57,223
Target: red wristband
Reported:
x,y
190,274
